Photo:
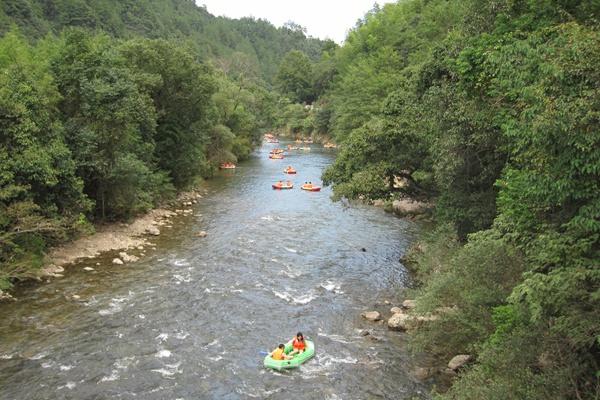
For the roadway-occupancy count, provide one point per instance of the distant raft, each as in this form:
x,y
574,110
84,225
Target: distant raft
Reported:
x,y
295,362
310,188
282,186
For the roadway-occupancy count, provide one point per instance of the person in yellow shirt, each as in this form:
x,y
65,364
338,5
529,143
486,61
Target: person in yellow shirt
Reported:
x,y
279,353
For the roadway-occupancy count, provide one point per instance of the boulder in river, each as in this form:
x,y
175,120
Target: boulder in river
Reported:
x,y
400,322
459,361
396,310
201,234
371,316
117,261
88,269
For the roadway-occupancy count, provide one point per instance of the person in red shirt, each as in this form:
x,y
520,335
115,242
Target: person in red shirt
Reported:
x,y
298,344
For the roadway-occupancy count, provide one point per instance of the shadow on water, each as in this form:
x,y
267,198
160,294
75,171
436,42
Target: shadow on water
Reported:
x,y
189,320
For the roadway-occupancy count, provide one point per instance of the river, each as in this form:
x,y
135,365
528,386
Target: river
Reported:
x,y
188,321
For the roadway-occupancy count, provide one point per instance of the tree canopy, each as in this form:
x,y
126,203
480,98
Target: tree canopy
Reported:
x,y
489,109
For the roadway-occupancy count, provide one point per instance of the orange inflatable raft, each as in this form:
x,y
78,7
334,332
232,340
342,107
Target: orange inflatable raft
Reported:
x,y
282,186
310,188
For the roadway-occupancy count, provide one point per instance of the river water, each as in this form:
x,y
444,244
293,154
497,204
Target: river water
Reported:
x,y
188,321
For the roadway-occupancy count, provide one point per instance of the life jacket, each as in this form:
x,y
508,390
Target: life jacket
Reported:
x,y
277,354
298,345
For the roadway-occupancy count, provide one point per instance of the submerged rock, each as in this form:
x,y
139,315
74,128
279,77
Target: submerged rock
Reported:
x,y
128,258
422,373
152,230
201,234
117,261
88,269
371,316
459,361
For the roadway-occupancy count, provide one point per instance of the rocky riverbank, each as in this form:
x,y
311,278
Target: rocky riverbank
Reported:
x,y
123,237
405,319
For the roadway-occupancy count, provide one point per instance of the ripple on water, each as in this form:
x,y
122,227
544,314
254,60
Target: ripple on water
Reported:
x,y
181,335
164,353
334,337
181,263
182,279
169,370
331,286
68,385
39,356
292,298
121,364
116,304
324,364
162,337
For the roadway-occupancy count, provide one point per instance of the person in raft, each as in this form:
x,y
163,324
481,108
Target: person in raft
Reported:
x,y
279,353
298,344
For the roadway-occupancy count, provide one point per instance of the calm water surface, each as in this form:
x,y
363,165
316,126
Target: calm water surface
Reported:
x,y
189,320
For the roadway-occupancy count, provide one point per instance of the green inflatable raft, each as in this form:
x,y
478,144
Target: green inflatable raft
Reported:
x,y
294,362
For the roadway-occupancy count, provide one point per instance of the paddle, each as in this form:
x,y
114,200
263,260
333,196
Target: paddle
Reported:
x,y
263,353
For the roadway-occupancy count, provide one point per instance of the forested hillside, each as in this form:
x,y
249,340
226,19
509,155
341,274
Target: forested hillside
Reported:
x,y
490,110
260,44
108,108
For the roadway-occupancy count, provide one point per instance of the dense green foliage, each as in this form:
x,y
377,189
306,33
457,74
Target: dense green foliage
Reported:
x,y
108,108
213,38
491,110
488,108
